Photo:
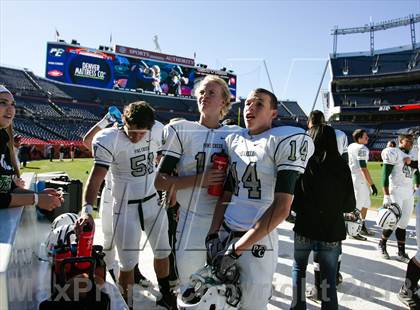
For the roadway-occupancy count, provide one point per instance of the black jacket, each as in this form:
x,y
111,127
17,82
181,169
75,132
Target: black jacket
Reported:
x,y
323,193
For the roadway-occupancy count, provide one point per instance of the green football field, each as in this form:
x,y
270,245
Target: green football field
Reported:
x,y
80,168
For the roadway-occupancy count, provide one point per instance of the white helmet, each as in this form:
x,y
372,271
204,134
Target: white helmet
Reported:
x,y
64,219
61,236
353,223
389,215
206,292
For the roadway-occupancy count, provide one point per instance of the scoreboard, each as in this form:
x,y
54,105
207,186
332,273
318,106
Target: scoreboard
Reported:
x,y
129,69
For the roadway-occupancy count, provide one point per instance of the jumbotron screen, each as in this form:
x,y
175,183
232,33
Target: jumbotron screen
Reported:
x,y
127,69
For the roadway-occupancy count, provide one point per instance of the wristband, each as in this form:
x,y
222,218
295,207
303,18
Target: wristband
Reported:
x,y
87,209
36,199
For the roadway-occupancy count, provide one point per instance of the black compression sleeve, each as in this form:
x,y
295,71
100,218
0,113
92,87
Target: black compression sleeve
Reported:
x,y
414,164
362,163
229,183
286,181
386,172
345,156
168,164
5,199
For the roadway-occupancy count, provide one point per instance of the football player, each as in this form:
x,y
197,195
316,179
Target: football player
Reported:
x,y
111,118
265,164
397,179
407,293
189,148
128,153
362,181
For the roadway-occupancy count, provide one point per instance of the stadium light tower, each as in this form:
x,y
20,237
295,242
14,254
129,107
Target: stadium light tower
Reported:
x,y
372,27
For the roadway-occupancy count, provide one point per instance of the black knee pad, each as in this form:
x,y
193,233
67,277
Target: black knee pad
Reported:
x,y
386,233
400,234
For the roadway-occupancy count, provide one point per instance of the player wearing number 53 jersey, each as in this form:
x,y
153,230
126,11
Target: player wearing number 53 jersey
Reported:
x,y
265,163
189,148
129,153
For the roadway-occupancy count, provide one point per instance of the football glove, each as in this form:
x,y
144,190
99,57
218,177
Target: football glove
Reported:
x,y
387,200
374,190
213,246
225,262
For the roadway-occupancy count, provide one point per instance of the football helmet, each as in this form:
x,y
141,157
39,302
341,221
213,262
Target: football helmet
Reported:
x,y
206,292
60,237
389,215
353,222
64,219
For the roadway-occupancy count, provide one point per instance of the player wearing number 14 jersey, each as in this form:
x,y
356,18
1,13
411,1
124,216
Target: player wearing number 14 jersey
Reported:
x,y
265,164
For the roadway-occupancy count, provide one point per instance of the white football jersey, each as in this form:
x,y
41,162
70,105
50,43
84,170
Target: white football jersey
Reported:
x,y
194,145
357,152
401,175
132,165
342,142
255,161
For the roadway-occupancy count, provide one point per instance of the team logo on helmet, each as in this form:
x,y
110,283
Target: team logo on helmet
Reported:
x,y
389,215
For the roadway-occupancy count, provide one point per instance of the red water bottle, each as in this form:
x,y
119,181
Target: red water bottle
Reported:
x,y
220,162
61,253
85,244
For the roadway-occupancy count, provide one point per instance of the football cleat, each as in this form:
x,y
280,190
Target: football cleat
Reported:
x,y
403,257
383,251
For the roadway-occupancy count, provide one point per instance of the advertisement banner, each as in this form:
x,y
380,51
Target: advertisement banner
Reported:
x,y
128,69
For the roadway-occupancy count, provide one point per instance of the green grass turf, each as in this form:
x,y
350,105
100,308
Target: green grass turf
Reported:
x,y
80,168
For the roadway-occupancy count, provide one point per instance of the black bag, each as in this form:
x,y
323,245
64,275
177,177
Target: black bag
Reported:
x,y
72,193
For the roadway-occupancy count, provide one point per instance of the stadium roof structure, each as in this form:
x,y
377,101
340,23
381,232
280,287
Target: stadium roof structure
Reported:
x,y
373,27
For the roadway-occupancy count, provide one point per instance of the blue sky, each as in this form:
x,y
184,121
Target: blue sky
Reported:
x,y
293,37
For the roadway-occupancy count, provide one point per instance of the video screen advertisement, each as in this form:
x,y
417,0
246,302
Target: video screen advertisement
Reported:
x,y
127,69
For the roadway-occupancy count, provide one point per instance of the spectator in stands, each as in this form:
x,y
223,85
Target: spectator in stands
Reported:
x,y
10,195
62,151
323,193
362,181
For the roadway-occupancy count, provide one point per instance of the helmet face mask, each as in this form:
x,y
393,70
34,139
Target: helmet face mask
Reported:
x,y
64,219
388,216
206,292
353,221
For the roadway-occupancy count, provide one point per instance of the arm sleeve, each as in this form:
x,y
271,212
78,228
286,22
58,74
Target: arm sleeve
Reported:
x,y
286,181
168,164
414,164
5,199
345,156
386,172
417,178
362,163
229,183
